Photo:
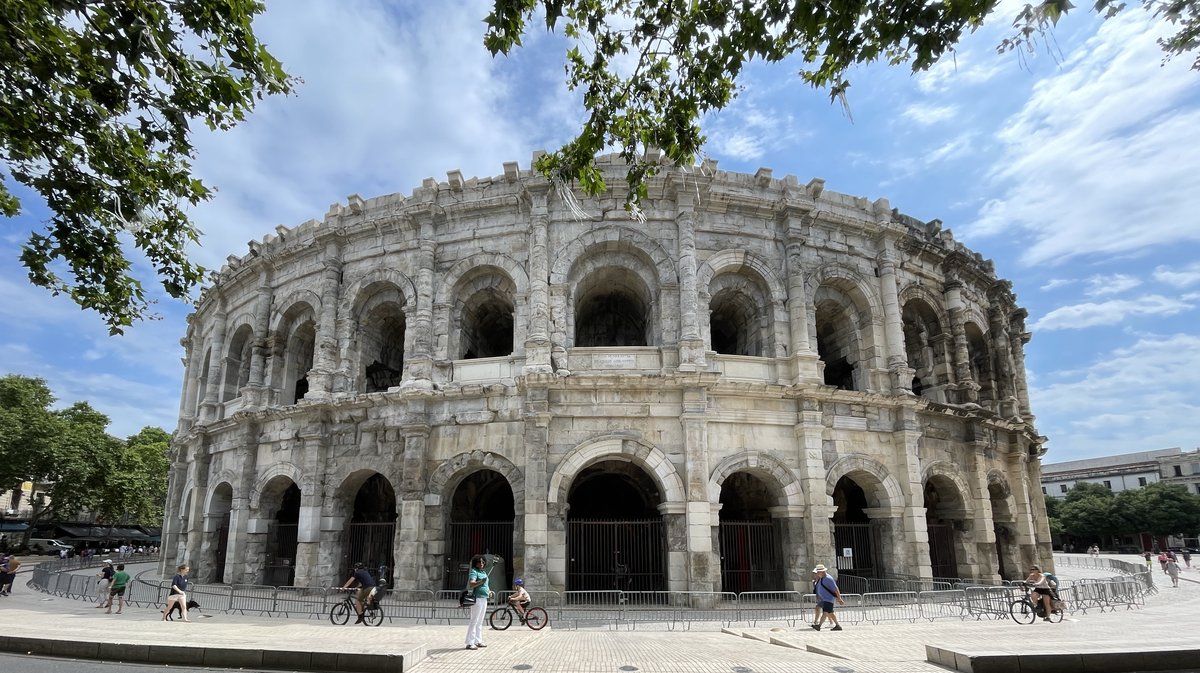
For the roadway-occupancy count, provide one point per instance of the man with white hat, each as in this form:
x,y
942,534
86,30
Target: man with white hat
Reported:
x,y
106,577
827,592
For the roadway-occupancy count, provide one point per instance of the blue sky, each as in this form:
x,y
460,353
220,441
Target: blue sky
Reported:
x,y
1076,169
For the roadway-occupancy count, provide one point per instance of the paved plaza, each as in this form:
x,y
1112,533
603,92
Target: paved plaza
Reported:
x,y
1169,620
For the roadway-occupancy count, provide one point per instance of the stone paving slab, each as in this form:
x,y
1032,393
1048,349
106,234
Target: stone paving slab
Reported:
x,y
1169,621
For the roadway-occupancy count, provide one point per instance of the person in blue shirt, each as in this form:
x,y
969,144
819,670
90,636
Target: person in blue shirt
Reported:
x,y
477,584
827,592
366,587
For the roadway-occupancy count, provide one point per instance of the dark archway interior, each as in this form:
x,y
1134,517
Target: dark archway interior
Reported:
x,y
835,351
613,490
851,501
387,367
487,325
483,496
375,501
733,324
289,506
745,497
303,342
612,308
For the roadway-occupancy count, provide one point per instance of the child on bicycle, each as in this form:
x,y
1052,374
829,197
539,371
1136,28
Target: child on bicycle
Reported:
x,y
519,599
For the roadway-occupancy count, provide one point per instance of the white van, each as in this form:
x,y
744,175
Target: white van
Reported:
x,y
45,545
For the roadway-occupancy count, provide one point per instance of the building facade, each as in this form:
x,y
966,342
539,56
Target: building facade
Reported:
x,y
758,376
1117,473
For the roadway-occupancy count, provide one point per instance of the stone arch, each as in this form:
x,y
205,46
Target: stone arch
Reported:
x,y
295,336
746,303
357,293
944,470
278,469
761,464
614,297
446,476
845,327
885,491
933,299
928,347
980,360
290,304
342,484
612,238
223,477
238,354
949,516
734,260
446,290
376,336
481,314
617,447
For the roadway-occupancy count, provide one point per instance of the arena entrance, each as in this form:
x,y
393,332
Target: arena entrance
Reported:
x,y
944,517
615,534
482,516
857,539
218,515
751,559
282,536
371,533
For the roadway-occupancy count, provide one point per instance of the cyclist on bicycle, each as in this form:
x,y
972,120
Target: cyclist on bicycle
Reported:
x,y
366,588
1040,590
519,599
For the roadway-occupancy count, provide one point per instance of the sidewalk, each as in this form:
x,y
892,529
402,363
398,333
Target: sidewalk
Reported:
x,y
41,624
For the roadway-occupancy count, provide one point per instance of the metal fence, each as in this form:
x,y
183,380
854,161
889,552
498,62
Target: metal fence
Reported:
x,y
908,600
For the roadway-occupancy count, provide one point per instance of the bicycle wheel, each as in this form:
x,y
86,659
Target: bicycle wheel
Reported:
x,y
373,616
1022,612
536,618
500,619
1056,616
340,614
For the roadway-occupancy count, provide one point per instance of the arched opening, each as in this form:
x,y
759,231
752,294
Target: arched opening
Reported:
x,y
926,347
237,363
300,346
217,534
751,557
612,308
280,505
858,540
371,533
615,536
735,323
484,314
482,518
1008,565
946,521
980,357
202,386
383,347
838,338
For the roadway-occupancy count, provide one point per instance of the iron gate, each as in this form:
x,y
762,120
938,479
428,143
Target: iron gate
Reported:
x,y
941,550
861,540
750,557
468,538
280,570
370,543
624,555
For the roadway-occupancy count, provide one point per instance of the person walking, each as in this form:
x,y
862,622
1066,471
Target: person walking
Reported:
x,y
105,581
120,579
1187,558
1094,550
1173,571
179,585
8,573
827,592
477,584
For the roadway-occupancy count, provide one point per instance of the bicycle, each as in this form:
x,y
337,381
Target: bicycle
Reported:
x,y
1025,611
372,611
535,618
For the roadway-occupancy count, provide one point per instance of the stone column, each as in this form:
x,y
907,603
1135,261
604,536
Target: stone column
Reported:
x,y
984,523
805,367
915,526
173,517
255,395
187,401
893,324
1006,403
236,567
558,334
325,355
703,564
818,537
535,557
968,389
537,343
409,551
1018,355
691,345
195,511
210,407
1041,522
310,570
418,366
1019,473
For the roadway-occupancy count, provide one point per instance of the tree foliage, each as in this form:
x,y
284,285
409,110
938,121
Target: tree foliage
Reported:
x,y
1160,509
649,70
1089,515
96,102
82,467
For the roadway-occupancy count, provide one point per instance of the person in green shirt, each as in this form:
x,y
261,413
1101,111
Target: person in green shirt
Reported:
x,y
119,580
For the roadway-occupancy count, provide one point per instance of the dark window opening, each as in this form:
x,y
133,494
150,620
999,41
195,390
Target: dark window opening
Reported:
x,y
613,490
734,324
487,326
835,345
611,319
1178,470
483,496
301,352
385,340
851,502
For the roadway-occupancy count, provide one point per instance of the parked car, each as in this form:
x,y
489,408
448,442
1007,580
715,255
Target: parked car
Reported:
x,y
44,545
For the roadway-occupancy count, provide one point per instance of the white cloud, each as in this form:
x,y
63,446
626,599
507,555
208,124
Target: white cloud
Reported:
x,y
1055,283
1125,400
1111,284
1101,158
1185,277
745,131
1112,312
926,114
